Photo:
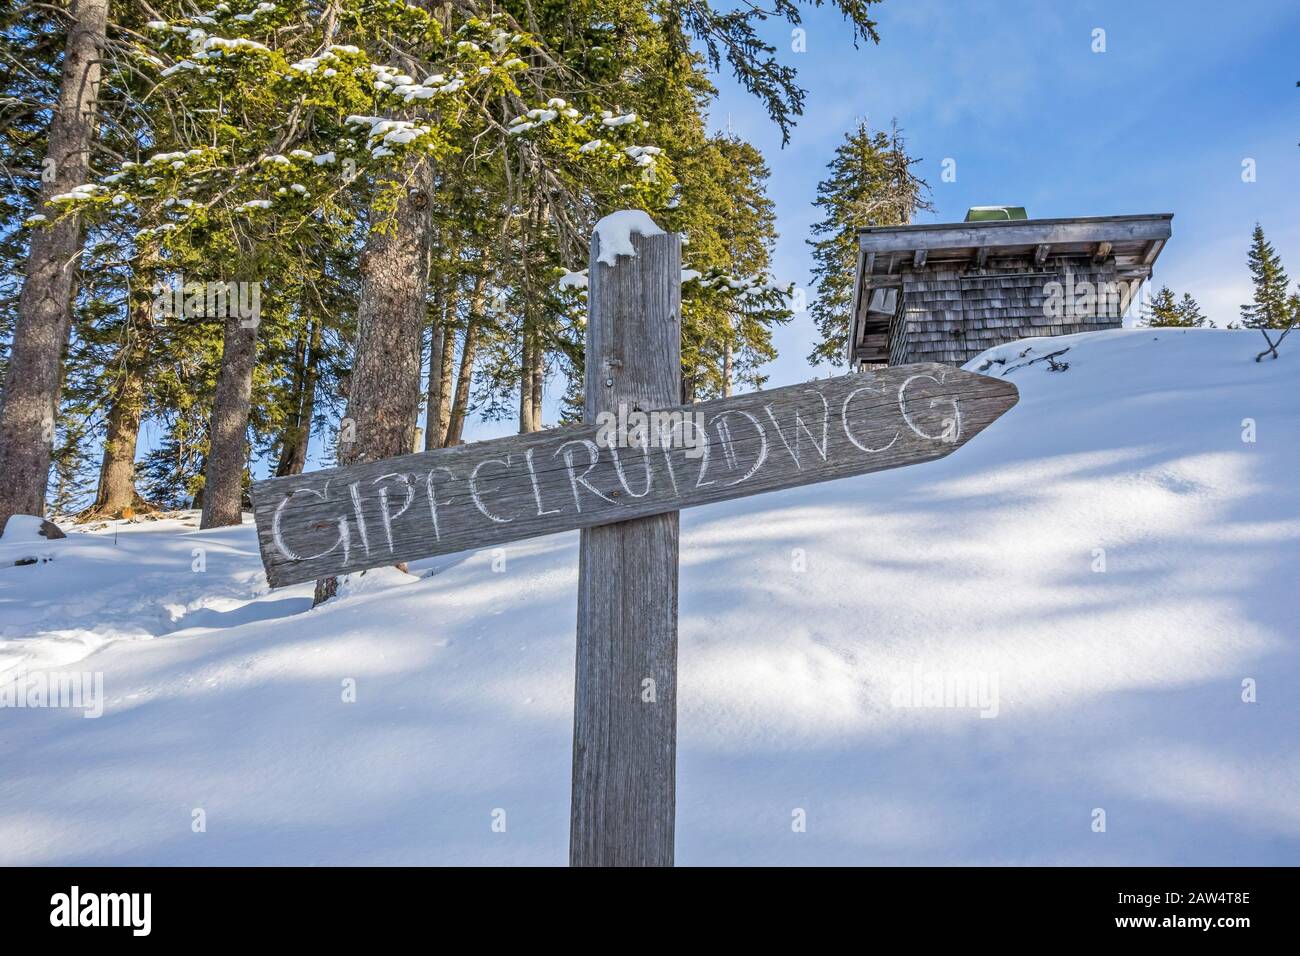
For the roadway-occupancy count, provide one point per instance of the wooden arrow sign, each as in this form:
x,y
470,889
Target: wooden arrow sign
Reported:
x,y
633,464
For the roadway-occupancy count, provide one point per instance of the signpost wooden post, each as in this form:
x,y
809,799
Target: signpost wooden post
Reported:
x,y
625,689
622,479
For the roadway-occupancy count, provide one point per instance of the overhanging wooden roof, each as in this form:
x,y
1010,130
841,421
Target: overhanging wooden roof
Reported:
x,y
1132,242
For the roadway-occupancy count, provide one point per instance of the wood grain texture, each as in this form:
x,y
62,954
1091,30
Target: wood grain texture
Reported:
x,y
1024,232
625,689
488,493
952,315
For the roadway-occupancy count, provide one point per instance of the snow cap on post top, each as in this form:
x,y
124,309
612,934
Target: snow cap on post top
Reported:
x,y
616,230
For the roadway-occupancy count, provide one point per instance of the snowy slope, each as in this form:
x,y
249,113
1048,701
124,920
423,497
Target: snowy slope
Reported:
x,y
1118,690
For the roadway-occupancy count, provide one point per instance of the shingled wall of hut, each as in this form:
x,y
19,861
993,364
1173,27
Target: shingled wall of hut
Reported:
x,y
951,315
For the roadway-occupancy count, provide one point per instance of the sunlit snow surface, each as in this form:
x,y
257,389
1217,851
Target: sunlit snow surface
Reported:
x,y
1119,690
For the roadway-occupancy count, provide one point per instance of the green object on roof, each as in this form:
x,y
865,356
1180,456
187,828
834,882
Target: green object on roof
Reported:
x,y
993,213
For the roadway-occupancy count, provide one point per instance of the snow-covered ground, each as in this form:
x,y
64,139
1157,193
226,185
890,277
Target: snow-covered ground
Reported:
x,y
1118,690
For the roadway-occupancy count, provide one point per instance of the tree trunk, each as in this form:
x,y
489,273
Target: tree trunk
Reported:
x,y
197,503
297,436
126,401
530,385
460,405
525,382
384,391
433,398
117,467
29,405
726,368
447,361
223,485
537,375
289,433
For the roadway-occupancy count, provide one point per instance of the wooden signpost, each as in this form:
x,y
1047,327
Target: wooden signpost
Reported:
x,y
621,477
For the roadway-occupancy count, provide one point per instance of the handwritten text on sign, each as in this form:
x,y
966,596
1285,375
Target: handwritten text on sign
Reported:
x,y
471,496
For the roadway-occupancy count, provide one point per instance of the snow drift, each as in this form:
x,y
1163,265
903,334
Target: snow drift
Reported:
x,y
1113,558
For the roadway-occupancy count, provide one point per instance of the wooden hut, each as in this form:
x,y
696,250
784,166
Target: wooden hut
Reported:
x,y
948,291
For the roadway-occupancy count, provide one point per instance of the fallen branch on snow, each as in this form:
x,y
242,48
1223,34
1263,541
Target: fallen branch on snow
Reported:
x,y
1049,358
1272,346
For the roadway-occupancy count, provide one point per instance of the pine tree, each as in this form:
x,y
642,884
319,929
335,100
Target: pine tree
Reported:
x,y
1160,310
871,183
1268,310
1163,311
1190,314
30,402
729,303
32,40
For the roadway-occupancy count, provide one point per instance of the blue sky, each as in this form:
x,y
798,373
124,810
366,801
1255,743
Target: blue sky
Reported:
x,y
1159,122
1011,90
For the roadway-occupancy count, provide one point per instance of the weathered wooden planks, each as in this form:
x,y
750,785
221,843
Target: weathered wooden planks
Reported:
x,y
1025,232
952,315
625,686
472,496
